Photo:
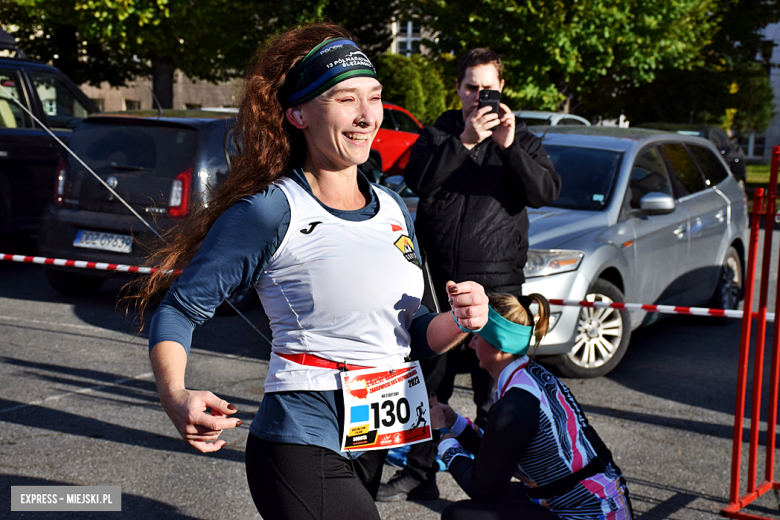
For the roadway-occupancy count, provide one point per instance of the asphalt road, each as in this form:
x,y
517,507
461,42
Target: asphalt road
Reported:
x,y
79,407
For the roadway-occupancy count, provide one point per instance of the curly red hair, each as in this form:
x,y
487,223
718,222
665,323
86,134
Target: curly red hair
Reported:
x,y
268,147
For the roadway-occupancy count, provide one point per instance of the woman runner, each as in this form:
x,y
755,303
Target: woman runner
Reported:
x,y
334,260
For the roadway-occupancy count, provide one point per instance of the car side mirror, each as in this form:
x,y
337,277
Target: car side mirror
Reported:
x,y
394,182
657,204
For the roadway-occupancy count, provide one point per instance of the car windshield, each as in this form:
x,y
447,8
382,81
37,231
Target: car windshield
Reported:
x,y
587,176
149,150
538,121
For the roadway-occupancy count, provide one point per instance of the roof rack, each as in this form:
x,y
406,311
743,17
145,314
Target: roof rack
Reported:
x,y
8,43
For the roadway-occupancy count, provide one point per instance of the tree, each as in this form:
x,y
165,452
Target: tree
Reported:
x,y
211,40
434,92
730,88
401,83
557,52
103,40
50,33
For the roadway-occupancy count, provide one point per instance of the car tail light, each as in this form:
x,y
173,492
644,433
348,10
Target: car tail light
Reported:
x,y
179,203
59,182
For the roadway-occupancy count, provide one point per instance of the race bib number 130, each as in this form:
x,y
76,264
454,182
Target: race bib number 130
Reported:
x,y
384,408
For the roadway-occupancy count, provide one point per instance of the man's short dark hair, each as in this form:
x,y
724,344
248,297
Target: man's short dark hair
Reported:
x,y
477,57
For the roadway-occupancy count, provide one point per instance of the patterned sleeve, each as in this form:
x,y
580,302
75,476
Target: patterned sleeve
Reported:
x,y
513,422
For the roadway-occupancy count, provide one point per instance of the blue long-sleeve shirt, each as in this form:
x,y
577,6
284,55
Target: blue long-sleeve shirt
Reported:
x,y
232,257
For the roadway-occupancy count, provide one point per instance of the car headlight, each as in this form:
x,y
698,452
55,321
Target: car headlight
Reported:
x,y
544,262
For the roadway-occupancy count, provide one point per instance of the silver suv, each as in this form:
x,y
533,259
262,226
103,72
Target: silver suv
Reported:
x,y
643,217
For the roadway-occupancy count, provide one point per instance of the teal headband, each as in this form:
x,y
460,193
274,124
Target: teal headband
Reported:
x,y
506,335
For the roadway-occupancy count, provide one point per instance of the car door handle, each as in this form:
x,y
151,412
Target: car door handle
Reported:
x,y
680,231
720,216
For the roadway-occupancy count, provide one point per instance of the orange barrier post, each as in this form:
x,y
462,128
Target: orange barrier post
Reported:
x,y
763,207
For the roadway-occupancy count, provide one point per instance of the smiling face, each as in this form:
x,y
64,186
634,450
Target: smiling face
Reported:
x,y
340,124
481,77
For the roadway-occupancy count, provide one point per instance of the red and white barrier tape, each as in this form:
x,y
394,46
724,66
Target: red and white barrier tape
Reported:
x,y
663,309
100,266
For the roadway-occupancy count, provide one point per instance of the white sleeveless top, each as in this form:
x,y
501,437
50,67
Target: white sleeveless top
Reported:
x,y
343,291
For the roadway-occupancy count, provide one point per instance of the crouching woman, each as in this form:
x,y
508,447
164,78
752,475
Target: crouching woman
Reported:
x,y
536,432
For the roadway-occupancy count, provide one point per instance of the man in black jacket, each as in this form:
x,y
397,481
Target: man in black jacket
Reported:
x,y
475,173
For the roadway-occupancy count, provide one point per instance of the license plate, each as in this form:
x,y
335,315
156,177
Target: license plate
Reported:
x,y
104,241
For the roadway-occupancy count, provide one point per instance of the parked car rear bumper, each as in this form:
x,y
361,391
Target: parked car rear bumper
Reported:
x,y
59,227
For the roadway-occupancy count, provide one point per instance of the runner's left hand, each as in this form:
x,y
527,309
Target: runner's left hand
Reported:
x,y
441,414
470,303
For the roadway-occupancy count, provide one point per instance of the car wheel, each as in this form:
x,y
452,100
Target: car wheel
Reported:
x,y
241,300
73,284
602,336
728,293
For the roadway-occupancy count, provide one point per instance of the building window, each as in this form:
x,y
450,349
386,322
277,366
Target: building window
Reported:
x,y
131,104
407,37
100,103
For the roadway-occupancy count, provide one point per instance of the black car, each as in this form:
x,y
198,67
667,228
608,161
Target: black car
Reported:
x,y
163,166
731,152
28,155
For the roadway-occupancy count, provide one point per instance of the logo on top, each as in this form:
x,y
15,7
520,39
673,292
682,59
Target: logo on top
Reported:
x,y
406,246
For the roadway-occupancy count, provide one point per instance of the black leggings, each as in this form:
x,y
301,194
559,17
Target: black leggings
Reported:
x,y
497,510
515,505
292,481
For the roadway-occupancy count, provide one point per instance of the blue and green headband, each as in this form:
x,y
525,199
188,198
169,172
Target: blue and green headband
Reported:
x,y
327,64
506,335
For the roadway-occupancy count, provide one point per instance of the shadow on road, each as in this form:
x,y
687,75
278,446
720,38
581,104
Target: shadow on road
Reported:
x,y
689,360
229,335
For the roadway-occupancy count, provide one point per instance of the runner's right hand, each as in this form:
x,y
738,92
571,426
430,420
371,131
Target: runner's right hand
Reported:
x,y
187,411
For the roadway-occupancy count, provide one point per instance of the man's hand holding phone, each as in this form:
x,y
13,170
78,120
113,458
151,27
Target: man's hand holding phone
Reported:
x,y
478,126
504,131
490,118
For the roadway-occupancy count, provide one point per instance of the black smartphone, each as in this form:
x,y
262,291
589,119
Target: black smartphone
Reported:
x,y
489,98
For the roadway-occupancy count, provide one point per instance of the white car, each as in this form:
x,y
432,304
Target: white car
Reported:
x,y
539,118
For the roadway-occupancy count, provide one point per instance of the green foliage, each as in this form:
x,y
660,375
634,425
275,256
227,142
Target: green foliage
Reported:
x,y
757,173
104,40
413,83
434,97
401,83
729,88
554,50
212,40
754,101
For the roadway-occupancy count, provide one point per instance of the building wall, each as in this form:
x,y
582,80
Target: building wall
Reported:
x,y
187,93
